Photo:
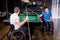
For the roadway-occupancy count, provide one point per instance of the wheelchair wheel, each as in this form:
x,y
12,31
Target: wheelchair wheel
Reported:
x,y
16,35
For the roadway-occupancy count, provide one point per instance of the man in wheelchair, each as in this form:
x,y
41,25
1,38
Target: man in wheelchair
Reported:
x,y
14,20
47,16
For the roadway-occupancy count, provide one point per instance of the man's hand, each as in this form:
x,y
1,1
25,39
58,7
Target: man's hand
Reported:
x,y
26,19
38,16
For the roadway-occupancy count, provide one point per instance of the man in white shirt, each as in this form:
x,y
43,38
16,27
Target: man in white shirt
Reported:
x,y
14,19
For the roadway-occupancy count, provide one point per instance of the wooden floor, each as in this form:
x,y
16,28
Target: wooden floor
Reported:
x,y
38,34
56,29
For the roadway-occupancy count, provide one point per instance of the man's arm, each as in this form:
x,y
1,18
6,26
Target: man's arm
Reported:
x,y
51,18
23,22
40,15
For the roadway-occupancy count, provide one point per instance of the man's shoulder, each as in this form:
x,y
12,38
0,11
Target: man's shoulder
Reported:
x,y
50,13
13,15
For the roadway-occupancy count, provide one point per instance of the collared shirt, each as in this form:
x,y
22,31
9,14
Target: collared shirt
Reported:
x,y
13,20
46,15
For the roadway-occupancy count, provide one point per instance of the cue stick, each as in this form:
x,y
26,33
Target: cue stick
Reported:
x,y
28,26
35,14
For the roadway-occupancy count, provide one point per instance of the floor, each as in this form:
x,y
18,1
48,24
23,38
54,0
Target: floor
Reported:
x,y
56,29
38,34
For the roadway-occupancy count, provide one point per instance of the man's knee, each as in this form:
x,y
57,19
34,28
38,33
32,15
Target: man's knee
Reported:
x,y
51,22
24,28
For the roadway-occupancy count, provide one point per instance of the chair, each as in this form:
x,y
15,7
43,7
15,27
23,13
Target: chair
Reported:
x,y
50,28
44,25
15,34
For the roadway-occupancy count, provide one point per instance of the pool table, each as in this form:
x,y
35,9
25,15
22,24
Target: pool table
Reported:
x,y
32,17
34,21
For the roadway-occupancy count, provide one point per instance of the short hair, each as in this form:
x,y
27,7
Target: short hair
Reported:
x,y
17,7
46,7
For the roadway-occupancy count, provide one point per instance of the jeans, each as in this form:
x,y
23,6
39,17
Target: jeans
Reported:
x,y
48,24
23,28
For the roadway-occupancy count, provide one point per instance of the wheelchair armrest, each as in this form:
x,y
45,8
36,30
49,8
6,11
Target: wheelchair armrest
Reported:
x,y
12,28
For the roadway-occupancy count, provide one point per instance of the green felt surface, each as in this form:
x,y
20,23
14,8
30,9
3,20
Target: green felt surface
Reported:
x,y
32,16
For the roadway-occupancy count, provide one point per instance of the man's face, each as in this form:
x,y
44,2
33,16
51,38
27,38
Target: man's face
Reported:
x,y
16,10
46,10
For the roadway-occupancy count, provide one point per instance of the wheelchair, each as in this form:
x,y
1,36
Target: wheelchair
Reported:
x,y
15,34
51,28
44,26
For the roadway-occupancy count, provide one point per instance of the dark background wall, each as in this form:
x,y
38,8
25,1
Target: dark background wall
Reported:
x,y
12,3
2,5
